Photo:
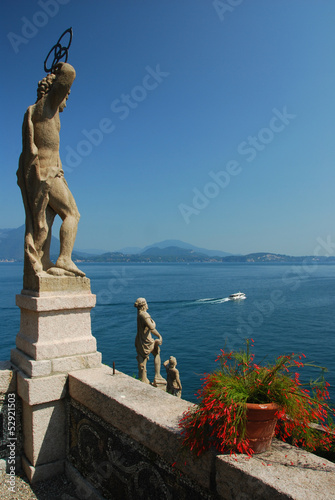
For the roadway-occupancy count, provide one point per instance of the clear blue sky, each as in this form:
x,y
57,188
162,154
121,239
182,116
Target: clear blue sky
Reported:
x,y
184,90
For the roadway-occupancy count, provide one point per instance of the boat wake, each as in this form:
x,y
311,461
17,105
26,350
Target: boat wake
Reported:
x,y
212,301
175,303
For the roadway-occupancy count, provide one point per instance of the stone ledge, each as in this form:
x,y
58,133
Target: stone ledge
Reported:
x,y
29,366
43,368
40,285
41,390
282,472
78,362
56,302
151,417
56,349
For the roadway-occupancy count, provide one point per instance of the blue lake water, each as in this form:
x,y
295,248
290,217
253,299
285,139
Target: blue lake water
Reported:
x,y
289,308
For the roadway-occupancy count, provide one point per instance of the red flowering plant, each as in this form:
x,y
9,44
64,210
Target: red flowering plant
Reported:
x,y
220,417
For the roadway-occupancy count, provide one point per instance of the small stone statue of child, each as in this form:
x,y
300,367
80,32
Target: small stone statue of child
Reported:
x,y
173,381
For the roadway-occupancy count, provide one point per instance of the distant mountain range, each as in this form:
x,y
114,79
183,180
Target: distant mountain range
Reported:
x,y
177,254
11,249
12,241
163,245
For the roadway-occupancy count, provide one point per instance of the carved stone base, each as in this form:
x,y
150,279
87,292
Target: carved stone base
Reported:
x,y
55,338
46,367
160,383
55,325
45,282
42,472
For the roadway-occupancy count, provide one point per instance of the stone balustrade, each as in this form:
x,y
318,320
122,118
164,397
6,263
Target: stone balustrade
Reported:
x,y
123,438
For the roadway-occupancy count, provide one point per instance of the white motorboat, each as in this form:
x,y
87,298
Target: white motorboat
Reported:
x,y
237,296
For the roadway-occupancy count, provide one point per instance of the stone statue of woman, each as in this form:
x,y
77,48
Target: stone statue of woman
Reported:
x,y
145,344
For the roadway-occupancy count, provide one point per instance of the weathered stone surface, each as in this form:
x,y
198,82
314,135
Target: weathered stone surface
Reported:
x,y
55,337
54,326
62,325
29,366
43,285
282,472
10,406
46,367
80,362
48,350
40,390
7,377
42,472
56,302
44,431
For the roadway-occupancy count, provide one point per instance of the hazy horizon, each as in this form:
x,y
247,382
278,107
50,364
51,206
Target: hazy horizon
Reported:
x,y
325,244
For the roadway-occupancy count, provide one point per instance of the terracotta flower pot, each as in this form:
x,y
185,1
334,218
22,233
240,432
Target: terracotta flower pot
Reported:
x,y
261,423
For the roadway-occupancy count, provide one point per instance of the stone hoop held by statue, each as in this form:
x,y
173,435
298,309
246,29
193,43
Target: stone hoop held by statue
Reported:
x,y
40,176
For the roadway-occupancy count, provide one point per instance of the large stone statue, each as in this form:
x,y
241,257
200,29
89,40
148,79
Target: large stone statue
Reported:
x,y
173,385
41,179
146,345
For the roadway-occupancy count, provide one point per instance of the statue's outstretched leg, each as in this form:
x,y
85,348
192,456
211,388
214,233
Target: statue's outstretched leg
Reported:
x,y
142,369
45,259
62,202
157,362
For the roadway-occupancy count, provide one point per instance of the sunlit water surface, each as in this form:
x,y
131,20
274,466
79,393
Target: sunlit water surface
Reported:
x,y
289,308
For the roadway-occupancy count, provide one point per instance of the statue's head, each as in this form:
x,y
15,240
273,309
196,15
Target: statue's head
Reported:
x,y
172,361
45,85
141,304
62,105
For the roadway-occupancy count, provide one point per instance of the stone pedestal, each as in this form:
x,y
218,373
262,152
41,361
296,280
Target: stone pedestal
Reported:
x,y
160,383
55,338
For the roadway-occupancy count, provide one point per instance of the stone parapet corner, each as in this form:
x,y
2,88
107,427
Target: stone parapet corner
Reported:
x,y
282,472
150,416
41,390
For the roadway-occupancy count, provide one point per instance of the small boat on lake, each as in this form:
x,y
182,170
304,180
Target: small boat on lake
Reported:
x,y
237,296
